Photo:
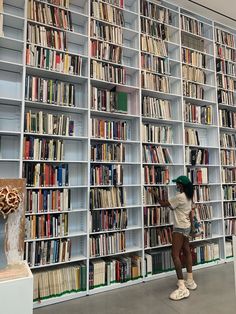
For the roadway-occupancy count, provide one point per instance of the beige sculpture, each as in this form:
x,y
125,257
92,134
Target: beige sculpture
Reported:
x,y
12,192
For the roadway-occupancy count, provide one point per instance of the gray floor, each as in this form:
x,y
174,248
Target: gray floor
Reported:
x,y
215,295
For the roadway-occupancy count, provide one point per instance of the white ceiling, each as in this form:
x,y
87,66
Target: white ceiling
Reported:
x,y
227,7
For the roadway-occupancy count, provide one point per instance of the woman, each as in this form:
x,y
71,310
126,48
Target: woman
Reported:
x,y
181,205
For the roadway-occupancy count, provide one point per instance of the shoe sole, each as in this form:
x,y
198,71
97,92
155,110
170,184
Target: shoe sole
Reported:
x,y
192,289
184,297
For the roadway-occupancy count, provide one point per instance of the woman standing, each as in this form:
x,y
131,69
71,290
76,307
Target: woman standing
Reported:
x,y
181,205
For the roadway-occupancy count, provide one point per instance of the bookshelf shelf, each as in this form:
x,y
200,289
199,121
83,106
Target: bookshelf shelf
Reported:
x,y
56,187
132,249
183,54
80,234
77,79
116,230
57,212
75,138
40,105
73,260
114,286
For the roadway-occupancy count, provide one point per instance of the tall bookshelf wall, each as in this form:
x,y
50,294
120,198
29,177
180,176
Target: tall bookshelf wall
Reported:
x,y
176,70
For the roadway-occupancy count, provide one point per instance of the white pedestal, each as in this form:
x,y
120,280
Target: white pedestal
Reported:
x,y
234,254
16,295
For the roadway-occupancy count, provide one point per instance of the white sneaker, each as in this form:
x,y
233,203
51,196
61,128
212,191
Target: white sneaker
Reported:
x,y
179,294
190,284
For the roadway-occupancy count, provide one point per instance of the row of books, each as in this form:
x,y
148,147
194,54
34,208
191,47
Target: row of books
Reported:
x,y
201,193
228,247
53,60
104,272
62,3
58,282
107,272
190,73
1,21
228,175
155,82
226,82
156,154
156,175
198,156
49,91
106,12
118,130
225,67
108,72
108,152
106,52
198,114
191,25
157,134
107,220
156,108
154,28
227,118
225,97
193,90
117,3
191,137
48,201
206,231
47,123
194,58
153,46
107,197
39,253
158,261
155,64
105,32
46,175
204,211
198,175
46,226
106,175
156,216
226,53
157,236
43,149
151,195
224,38
229,209
227,140
106,244
47,37
228,157
230,227
156,12
229,193
109,100
190,41
50,15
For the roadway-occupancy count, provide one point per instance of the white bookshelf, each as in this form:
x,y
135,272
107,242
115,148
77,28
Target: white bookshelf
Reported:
x,y
13,105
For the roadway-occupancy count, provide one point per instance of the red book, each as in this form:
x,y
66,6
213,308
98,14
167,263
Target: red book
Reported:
x,y
40,201
27,148
48,224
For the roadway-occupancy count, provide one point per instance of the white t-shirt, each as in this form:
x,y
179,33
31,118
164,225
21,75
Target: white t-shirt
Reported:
x,y
181,206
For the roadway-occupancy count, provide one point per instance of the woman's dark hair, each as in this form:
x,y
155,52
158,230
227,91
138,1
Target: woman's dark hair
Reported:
x,y
188,190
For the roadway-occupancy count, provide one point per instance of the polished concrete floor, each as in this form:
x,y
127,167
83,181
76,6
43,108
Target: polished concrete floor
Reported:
x,y
215,295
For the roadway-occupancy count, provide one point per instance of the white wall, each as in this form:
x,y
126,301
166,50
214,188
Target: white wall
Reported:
x,y
227,7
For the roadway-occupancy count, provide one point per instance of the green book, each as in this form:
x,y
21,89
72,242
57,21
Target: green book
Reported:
x,y
122,102
83,277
